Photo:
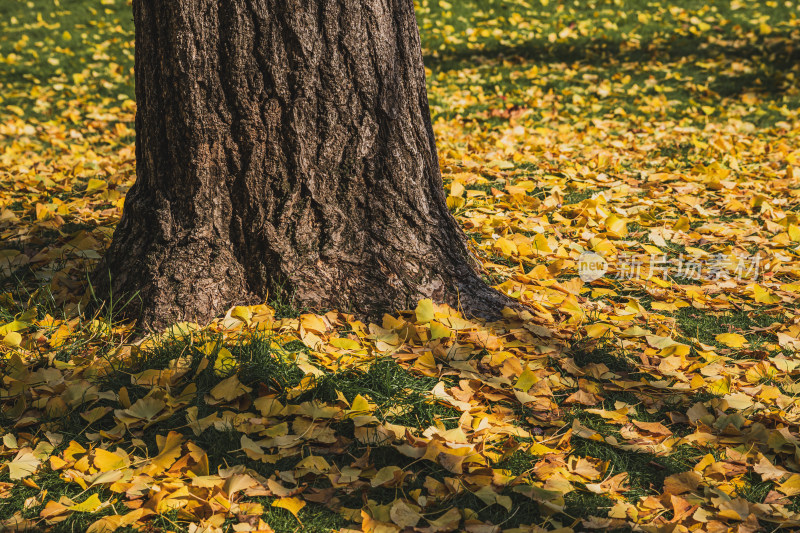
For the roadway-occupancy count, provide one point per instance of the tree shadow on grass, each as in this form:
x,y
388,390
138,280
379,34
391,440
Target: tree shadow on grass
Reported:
x,y
774,57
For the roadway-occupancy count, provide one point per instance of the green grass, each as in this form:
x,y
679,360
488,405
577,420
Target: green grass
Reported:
x,y
50,481
705,325
646,471
394,390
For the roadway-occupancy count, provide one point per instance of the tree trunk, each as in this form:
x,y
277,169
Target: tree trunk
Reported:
x,y
285,143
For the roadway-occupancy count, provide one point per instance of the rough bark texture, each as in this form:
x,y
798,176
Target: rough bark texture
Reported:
x,y
285,142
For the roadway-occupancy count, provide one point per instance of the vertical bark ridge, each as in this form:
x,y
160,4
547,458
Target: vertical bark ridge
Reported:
x,y
289,142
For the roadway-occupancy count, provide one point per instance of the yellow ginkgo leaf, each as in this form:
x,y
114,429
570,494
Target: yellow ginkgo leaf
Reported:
x,y
314,464
386,474
89,505
16,110
439,331
526,380
24,464
345,344
794,232
360,406
506,247
403,514
596,331
424,311
683,223
764,296
144,409
169,450
96,185
12,339
616,226
106,461
539,244
242,313
455,202
293,505
732,340
790,487
108,524
229,389
720,387
225,363
15,325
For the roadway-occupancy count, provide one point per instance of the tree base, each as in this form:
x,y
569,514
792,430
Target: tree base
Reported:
x,y
285,143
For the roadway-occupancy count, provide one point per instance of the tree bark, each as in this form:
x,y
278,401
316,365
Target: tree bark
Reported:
x,y
285,143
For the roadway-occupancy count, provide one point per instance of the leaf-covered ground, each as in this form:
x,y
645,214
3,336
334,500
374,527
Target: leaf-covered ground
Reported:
x,y
663,136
